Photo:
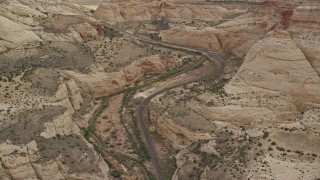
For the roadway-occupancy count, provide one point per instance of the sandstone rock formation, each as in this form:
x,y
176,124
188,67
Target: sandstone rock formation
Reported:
x,y
104,84
179,136
89,2
20,23
273,68
22,162
86,31
40,138
188,36
56,59
272,50
236,35
309,11
275,88
13,34
304,31
153,11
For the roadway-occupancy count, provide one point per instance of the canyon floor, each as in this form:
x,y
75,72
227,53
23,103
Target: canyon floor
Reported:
x,y
173,89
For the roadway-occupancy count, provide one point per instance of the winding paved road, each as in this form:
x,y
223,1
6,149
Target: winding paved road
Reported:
x,y
146,101
212,56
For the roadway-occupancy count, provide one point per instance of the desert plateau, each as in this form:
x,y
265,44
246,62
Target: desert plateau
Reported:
x,y
160,89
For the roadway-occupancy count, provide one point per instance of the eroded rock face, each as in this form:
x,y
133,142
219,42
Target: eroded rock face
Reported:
x,y
27,146
86,31
16,160
278,58
14,34
20,24
104,84
274,67
277,87
304,31
153,11
275,91
188,36
86,1
309,11
24,162
179,136
236,35
40,138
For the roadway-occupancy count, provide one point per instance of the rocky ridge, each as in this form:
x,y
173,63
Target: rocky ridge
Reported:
x,y
274,91
152,11
105,84
266,94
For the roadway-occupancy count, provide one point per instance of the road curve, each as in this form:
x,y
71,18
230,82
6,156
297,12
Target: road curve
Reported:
x,y
212,56
140,116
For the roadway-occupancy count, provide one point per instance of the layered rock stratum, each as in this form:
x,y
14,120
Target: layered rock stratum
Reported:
x,y
275,88
261,120
153,11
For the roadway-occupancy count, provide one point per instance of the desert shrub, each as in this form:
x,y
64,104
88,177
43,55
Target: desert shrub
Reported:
x,y
116,173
